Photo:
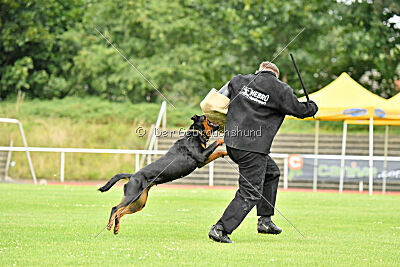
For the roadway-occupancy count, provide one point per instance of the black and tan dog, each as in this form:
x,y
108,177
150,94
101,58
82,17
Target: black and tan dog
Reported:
x,y
187,154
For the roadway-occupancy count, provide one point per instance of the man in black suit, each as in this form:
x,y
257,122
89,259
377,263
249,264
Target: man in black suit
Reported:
x,y
258,105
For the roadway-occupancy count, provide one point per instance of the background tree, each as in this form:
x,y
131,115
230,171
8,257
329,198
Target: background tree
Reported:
x,y
33,55
52,49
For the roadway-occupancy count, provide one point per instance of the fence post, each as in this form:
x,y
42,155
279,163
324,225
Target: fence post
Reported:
x,y
316,143
157,126
164,120
385,153
62,164
28,155
8,160
137,163
21,129
341,179
148,159
211,173
285,172
371,156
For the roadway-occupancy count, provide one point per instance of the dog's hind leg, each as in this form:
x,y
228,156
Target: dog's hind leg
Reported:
x,y
133,207
113,214
131,191
129,188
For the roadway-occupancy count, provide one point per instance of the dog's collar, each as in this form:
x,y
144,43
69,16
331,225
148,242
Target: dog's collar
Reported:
x,y
204,135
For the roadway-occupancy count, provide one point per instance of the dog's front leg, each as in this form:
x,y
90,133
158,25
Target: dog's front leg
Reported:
x,y
213,156
211,148
208,152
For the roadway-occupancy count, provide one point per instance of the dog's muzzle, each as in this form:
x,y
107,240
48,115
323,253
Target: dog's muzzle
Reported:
x,y
213,125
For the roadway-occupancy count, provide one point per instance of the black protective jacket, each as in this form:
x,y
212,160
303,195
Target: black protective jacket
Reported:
x,y
257,109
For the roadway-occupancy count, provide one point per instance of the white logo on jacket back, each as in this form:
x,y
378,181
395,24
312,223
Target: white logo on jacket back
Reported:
x,y
254,95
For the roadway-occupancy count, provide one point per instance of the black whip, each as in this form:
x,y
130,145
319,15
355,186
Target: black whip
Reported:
x,y
301,80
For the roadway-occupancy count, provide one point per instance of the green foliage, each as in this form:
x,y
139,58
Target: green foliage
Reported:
x,y
31,38
52,48
16,76
368,41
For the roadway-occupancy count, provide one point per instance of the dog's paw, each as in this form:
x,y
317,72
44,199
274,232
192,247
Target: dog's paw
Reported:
x,y
224,153
220,142
109,226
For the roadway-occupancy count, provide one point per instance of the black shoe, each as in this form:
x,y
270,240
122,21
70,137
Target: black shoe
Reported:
x,y
268,227
218,234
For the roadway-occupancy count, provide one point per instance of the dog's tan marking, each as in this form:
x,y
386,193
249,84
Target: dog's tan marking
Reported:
x,y
135,206
207,127
112,218
220,142
214,156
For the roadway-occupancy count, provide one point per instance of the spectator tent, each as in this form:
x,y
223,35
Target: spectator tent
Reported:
x,y
395,101
393,105
346,100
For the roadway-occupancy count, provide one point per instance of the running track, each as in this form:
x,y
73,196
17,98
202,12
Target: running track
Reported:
x,y
216,187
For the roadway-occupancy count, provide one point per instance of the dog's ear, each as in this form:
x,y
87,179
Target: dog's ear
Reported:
x,y
195,118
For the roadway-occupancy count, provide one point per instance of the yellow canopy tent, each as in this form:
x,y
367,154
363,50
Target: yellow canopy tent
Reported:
x,y
346,100
385,123
376,122
392,104
395,99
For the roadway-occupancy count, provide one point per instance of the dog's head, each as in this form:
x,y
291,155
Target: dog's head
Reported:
x,y
204,124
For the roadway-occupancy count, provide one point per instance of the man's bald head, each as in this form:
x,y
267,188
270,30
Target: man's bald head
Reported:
x,y
266,65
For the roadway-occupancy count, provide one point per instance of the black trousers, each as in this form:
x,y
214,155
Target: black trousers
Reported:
x,y
259,175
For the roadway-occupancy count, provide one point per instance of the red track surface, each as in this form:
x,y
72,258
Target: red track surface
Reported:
x,y
216,187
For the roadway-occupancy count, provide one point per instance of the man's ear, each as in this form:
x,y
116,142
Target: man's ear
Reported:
x,y
195,118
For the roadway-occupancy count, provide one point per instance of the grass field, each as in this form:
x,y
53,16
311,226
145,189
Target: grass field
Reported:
x,y
48,225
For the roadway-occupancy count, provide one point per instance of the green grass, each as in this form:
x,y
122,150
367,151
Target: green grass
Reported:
x,y
99,111
49,225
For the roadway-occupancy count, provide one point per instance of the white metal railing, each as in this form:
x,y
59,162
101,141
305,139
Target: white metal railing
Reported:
x,y
151,142
138,153
62,152
8,160
21,129
162,118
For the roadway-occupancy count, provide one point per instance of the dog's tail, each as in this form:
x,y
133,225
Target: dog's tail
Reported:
x,y
114,180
